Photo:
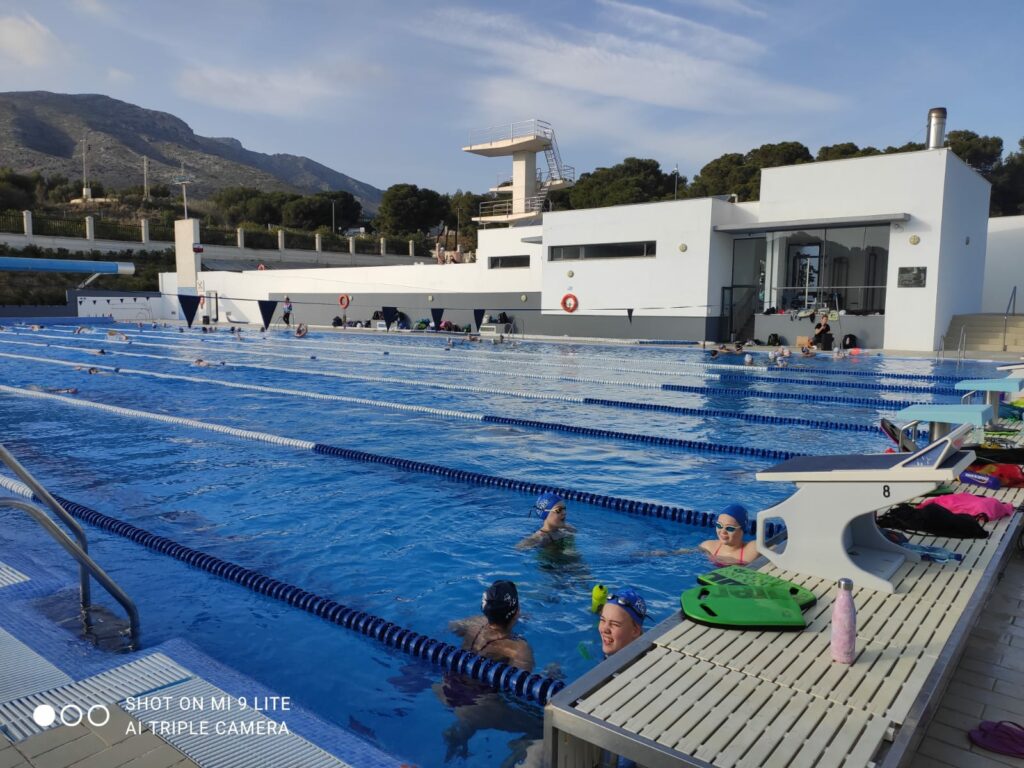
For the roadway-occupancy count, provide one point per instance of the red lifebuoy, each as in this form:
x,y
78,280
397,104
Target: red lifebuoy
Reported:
x,y
344,300
570,303
260,267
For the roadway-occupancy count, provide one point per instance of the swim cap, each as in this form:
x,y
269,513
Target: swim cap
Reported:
x,y
548,501
500,602
632,603
738,512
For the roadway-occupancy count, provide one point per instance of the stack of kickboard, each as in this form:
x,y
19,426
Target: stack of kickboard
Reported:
x,y
735,597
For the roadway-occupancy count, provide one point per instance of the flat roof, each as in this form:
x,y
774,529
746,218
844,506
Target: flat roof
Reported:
x,y
834,221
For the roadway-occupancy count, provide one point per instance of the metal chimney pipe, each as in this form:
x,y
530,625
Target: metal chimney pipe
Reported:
x,y
936,127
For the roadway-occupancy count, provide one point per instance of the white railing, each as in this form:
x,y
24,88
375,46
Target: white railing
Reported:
x,y
504,207
522,129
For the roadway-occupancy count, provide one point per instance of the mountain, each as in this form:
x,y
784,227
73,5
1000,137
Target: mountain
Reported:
x,y
42,131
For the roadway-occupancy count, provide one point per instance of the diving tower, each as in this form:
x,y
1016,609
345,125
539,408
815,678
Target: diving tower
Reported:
x,y
521,197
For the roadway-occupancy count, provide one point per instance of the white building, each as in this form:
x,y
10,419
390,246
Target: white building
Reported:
x,y
893,245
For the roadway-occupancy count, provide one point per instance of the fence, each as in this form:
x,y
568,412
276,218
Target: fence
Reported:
x,y
334,243
394,245
258,238
214,236
45,225
367,245
300,240
115,230
161,232
12,221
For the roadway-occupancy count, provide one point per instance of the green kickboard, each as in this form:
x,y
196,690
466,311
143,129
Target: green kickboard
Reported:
x,y
742,607
737,575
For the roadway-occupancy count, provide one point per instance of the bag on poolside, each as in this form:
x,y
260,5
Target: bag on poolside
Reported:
x,y
773,340
984,508
849,341
931,520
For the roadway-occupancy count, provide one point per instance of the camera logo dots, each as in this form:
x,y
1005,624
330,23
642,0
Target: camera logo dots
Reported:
x,y
45,715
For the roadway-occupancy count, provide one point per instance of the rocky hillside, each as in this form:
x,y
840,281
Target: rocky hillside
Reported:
x,y
42,131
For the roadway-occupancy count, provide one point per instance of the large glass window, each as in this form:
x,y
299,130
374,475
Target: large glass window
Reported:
x,y
842,268
602,251
507,262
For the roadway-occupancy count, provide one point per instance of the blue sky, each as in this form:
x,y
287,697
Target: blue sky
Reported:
x,y
388,92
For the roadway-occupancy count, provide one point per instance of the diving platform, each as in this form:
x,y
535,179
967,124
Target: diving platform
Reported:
x,y
528,186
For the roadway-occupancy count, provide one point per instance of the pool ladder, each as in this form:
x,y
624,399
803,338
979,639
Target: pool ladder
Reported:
x,y
80,551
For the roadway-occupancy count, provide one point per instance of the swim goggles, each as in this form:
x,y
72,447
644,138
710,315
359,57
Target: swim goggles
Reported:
x,y
726,528
634,605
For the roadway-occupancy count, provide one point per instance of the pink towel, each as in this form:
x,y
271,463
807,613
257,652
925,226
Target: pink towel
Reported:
x,y
974,506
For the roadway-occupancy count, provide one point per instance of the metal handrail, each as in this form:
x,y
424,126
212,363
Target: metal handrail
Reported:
x,y
43,495
87,566
940,353
523,128
961,347
1011,303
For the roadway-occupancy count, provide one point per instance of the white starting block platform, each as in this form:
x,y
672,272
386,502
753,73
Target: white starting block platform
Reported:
x,y
830,520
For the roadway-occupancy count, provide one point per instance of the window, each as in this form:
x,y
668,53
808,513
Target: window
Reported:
x,y
507,262
602,251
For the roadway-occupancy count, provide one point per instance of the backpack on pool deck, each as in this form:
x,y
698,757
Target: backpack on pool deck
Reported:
x,y
773,340
849,341
931,520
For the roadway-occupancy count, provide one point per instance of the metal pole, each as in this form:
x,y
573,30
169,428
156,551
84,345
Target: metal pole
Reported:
x,y
333,227
675,194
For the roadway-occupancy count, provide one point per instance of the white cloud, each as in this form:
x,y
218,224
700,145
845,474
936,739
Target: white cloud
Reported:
x,y
279,92
92,7
24,42
636,69
680,32
117,76
736,7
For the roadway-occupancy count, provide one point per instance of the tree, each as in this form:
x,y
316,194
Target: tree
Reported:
x,y
844,150
982,153
1008,185
634,180
740,175
406,208
17,191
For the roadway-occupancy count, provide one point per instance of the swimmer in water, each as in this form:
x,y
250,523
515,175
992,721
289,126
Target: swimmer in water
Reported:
x,y
552,508
54,390
728,548
200,363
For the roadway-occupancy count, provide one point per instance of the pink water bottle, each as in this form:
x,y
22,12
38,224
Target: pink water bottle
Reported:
x,y
844,624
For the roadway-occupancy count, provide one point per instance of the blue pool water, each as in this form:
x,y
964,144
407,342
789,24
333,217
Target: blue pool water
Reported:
x,y
415,549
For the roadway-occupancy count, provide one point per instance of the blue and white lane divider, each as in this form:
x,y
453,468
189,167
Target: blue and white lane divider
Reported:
x,y
753,418
644,508
810,380
523,685
800,397
735,372
673,442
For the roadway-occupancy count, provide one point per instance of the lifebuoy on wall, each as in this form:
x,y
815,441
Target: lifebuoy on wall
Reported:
x,y
344,300
260,267
570,303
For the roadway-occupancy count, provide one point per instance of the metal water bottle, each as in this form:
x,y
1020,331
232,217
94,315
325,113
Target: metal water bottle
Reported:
x,y
844,624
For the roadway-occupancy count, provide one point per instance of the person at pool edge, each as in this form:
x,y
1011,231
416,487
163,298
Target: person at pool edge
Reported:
x,y
622,620
286,312
551,507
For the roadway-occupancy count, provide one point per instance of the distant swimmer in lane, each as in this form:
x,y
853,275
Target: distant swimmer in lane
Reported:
x,y
552,509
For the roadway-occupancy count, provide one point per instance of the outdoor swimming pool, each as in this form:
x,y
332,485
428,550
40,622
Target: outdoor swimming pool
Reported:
x,y
414,548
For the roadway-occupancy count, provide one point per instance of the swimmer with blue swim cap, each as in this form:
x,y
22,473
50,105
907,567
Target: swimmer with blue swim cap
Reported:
x,y
728,548
551,508
622,620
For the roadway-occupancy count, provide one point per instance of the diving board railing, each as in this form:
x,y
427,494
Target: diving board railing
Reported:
x,y
80,552
830,519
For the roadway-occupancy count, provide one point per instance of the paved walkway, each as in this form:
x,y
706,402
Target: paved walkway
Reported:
x,y
86,746
988,683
